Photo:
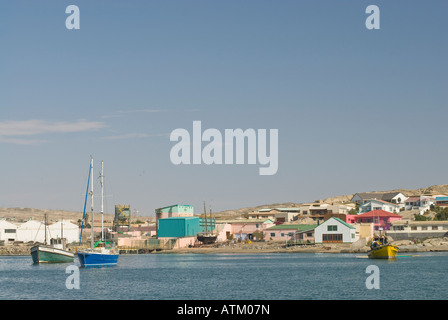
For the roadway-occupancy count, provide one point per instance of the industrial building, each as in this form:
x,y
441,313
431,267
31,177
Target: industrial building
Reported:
x,y
179,227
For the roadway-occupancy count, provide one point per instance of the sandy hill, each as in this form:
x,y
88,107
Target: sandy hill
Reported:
x,y
436,189
23,214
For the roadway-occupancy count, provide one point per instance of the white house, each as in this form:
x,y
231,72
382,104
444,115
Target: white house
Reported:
x,y
379,205
334,230
8,231
421,203
394,197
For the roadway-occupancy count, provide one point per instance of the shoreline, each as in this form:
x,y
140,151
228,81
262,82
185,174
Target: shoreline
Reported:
x,y
289,250
434,245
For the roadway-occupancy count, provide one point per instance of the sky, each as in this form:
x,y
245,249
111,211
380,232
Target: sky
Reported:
x,y
356,110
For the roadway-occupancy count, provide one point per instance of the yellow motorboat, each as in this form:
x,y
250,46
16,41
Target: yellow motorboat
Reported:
x,y
380,248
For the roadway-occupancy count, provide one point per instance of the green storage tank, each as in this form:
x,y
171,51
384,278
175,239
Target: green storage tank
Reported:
x,y
178,227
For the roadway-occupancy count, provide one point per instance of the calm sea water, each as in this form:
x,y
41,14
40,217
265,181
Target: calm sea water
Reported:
x,y
230,277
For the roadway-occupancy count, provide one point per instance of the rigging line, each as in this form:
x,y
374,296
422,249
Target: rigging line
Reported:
x,y
37,231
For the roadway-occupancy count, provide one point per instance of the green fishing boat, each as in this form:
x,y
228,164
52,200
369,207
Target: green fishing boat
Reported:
x,y
54,253
47,254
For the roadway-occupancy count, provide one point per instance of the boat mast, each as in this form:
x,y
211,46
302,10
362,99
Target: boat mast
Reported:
x,y
205,217
91,201
102,202
45,225
85,203
211,222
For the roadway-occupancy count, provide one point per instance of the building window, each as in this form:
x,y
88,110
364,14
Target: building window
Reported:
x,y
435,228
332,238
272,234
332,228
10,230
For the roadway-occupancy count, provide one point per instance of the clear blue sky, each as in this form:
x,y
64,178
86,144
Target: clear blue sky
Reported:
x,y
356,109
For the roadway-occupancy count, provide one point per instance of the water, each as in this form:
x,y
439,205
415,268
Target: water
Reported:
x,y
230,277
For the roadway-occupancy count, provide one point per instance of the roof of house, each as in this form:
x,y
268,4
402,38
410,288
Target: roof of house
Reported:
x,y
412,199
379,196
382,201
441,198
298,227
377,213
279,209
341,221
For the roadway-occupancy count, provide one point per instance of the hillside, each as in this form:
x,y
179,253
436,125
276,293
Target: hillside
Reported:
x,y
436,189
23,214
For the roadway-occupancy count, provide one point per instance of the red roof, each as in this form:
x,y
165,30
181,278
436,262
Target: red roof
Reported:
x,y
377,213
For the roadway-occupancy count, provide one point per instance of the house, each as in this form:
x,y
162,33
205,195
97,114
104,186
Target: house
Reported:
x,y
441,201
261,214
8,231
279,215
286,232
249,229
319,211
394,197
421,203
408,230
378,205
380,218
334,230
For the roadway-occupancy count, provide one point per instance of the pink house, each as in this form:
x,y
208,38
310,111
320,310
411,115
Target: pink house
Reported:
x,y
379,218
245,229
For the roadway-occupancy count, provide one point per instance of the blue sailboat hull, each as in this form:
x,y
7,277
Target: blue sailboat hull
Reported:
x,y
95,259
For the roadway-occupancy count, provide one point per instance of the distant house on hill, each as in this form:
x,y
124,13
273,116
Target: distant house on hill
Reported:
x,y
421,203
441,201
393,197
279,215
378,205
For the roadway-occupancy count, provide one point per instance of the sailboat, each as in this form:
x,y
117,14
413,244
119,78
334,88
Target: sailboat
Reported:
x,y
207,237
53,253
101,253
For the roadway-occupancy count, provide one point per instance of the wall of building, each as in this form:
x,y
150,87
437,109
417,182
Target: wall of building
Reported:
x,y
178,227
